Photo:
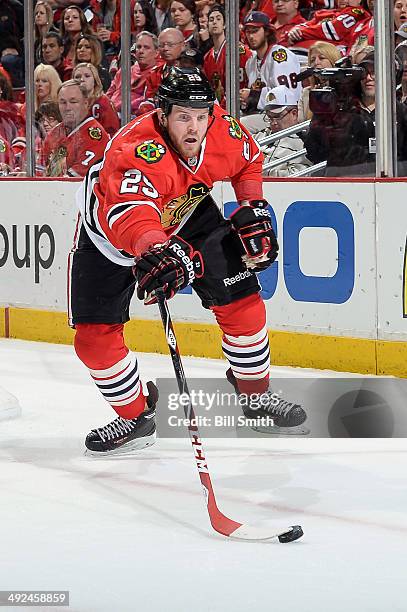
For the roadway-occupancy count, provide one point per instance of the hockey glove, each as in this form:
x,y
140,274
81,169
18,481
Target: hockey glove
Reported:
x,y
252,222
172,266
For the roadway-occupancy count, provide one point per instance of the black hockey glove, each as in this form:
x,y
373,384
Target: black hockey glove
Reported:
x,y
172,266
252,222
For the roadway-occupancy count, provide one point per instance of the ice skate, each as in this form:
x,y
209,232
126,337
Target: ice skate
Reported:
x,y
271,414
123,436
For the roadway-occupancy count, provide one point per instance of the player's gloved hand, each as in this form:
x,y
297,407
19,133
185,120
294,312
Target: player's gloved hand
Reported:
x,y
252,222
172,266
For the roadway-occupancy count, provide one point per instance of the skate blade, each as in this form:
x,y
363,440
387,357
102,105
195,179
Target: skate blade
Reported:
x,y
127,449
300,430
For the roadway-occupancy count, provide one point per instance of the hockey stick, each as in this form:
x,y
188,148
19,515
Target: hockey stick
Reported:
x,y
221,523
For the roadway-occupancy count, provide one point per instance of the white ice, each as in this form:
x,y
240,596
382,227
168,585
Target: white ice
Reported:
x,y
132,534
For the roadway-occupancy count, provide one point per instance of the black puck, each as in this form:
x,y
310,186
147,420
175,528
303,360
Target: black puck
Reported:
x,y
294,533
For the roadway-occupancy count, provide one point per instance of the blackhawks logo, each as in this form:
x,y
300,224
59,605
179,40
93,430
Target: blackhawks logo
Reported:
x,y
3,147
357,11
235,130
280,55
151,151
177,208
95,133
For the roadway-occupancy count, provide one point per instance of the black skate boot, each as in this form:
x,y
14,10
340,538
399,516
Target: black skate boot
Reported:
x,y
273,414
125,435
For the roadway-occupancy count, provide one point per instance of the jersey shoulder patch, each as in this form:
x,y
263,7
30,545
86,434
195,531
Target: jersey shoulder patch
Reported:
x,y
235,131
279,55
95,133
150,151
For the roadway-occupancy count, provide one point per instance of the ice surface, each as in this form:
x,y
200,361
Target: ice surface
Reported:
x,y
132,533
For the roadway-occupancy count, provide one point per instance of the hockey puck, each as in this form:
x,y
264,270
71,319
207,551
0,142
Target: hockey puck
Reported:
x,y
295,533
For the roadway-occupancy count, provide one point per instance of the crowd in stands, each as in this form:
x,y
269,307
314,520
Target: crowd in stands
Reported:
x,y
77,77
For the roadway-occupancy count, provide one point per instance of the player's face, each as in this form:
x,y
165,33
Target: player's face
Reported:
x,y
42,88
170,45
84,51
187,128
85,76
72,22
400,13
256,37
146,53
72,106
215,23
51,51
181,17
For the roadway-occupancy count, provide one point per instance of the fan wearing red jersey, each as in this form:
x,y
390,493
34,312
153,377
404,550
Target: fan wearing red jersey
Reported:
x,y
214,64
73,145
146,211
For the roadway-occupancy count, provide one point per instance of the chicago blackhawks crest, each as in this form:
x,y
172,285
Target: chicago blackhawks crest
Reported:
x,y
280,55
235,131
177,208
95,133
150,151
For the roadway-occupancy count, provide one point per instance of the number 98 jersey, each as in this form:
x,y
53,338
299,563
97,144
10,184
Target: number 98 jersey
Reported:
x,y
279,66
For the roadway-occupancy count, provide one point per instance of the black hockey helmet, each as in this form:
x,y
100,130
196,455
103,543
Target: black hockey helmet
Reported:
x,y
187,87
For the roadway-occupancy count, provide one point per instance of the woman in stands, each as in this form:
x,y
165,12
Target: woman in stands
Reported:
x,y
143,18
46,84
88,49
73,24
43,23
320,55
101,107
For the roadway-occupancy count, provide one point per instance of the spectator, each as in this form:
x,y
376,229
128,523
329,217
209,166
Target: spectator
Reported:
x,y
320,55
205,40
101,107
215,60
146,60
269,66
287,16
43,23
183,18
162,13
340,27
170,44
88,49
346,137
143,18
11,58
11,121
282,112
78,140
52,55
11,19
107,22
73,24
401,34
46,84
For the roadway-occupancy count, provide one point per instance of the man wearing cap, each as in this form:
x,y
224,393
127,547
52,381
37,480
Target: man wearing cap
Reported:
x,y
270,65
282,112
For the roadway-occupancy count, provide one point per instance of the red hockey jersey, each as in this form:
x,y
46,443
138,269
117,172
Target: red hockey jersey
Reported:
x,y
72,154
214,67
142,188
104,112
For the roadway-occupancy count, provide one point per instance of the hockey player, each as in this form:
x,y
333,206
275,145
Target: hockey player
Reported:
x,y
146,211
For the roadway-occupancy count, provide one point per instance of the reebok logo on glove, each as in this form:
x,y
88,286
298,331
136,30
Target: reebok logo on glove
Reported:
x,y
186,260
